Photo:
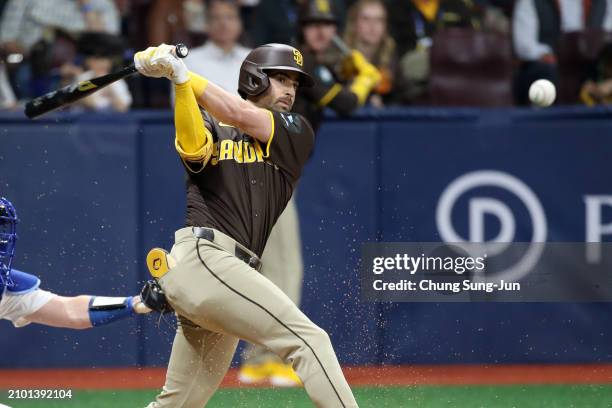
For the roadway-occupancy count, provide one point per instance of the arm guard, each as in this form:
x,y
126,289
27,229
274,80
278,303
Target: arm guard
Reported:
x,y
104,310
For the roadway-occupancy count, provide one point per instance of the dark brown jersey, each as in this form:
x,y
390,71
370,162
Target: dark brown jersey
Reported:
x,y
246,184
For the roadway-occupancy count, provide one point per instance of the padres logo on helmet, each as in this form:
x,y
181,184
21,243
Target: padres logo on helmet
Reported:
x,y
297,56
254,80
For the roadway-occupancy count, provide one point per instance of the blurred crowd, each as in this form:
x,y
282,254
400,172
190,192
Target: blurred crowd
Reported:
x,y
428,52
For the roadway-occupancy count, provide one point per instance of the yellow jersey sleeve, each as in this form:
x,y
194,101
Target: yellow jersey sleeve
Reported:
x,y
194,142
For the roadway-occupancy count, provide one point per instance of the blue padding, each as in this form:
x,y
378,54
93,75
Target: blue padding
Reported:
x,y
22,283
96,208
78,228
103,317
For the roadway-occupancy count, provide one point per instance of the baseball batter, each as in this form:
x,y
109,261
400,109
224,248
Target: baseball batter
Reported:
x,y
243,159
282,258
23,302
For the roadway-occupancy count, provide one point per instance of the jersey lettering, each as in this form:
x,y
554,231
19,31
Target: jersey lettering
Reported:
x,y
249,153
242,152
275,167
238,149
226,150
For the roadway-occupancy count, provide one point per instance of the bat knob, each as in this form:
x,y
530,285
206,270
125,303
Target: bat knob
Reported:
x,y
181,50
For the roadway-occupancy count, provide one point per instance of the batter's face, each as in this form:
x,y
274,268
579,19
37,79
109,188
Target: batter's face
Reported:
x,y
280,95
318,36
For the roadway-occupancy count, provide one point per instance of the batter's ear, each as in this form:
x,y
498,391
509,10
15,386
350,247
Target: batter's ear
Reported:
x,y
253,81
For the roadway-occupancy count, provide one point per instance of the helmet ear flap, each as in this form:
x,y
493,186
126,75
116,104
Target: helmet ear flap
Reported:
x,y
253,81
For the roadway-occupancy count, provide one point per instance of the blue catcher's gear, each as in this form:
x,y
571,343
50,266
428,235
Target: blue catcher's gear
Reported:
x,y
104,310
8,238
22,283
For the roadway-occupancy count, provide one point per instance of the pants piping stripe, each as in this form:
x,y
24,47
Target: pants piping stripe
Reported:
x,y
270,314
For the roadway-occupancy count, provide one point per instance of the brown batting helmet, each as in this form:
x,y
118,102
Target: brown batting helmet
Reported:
x,y
317,11
269,57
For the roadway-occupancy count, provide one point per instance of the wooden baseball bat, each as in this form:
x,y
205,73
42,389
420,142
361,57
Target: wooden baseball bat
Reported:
x,y
73,92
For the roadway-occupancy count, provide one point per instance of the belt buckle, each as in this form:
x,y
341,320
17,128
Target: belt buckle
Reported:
x,y
204,233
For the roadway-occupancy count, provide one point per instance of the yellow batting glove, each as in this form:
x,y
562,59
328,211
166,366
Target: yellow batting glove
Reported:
x,y
144,62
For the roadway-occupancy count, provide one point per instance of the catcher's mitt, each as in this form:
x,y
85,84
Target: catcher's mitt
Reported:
x,y
154,298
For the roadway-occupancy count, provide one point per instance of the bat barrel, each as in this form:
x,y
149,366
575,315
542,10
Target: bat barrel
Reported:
x,y
71,93
33,109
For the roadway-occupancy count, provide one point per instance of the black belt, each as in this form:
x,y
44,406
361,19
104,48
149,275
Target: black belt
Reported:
x,y
209,235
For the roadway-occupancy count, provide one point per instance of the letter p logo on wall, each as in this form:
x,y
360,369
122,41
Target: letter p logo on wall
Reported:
x,y
479,207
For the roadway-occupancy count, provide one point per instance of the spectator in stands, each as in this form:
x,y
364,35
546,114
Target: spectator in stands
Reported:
x,y
276,21
537,28
273,21
322,60
170,22
7,97
496,14
247,8
504,6
27,24
598,88
175,21
220,58
413,24
366,31
2,4
99,52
